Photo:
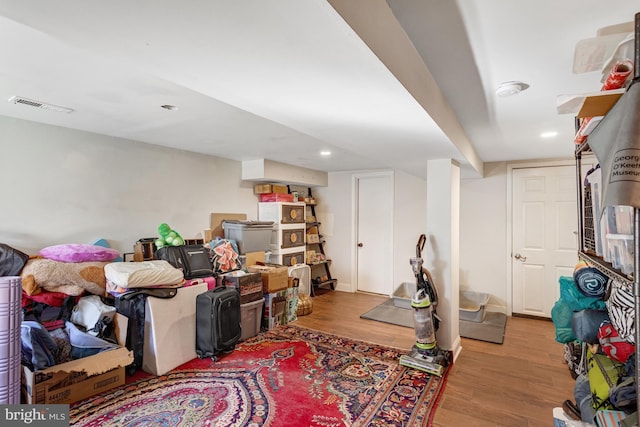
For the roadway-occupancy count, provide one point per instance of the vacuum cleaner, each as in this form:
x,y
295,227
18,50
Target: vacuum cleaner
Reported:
x,y
425,354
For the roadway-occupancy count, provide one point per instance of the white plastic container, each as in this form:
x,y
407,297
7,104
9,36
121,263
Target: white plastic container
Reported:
x,y
620,247
472,306
288,257
287,237
282,213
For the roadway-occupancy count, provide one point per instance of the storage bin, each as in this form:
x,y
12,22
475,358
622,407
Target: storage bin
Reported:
x,y
472,306
288,257
282,213
285,238
403,295
250,236
276,197
620,248
250,318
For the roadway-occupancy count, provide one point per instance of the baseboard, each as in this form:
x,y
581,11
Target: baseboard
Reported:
x,y
457,348
495,308
344,287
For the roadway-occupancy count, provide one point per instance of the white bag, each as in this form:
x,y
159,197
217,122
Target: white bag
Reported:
x,y
89,311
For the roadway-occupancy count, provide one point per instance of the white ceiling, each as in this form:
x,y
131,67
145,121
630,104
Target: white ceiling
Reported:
x,y
381,84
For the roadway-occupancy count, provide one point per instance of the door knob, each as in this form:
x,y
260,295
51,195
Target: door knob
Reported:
x,y
360,245
520,257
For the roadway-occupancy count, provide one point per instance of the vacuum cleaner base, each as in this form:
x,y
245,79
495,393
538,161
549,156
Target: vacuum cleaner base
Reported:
x,y
431,364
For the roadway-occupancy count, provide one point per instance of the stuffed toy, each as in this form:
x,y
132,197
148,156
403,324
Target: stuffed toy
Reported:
x,y
71,278
168,237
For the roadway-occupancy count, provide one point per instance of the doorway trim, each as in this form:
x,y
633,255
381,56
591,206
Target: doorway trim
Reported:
x,y
355,202
509,243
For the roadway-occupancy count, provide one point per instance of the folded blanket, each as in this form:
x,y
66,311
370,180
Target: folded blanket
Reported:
x,y
143,274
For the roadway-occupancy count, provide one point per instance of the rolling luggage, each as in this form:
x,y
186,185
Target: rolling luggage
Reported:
x,y
193,260
218,326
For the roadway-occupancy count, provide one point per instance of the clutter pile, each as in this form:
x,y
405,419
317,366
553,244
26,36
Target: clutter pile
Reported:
x,y
593,319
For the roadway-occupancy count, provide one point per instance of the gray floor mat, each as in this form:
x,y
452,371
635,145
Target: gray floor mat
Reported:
x,y
491,330
389,313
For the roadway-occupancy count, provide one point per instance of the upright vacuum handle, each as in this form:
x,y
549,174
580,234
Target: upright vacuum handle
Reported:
x,y
420,245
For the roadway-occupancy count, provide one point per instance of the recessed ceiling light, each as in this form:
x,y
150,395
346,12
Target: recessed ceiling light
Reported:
x,y
325,153
169,107
550,134
511,88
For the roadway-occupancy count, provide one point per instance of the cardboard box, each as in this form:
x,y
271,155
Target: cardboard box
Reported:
x,y
279,188
81,378
262,188
253,258
275,310
292,304
249,285
216,222
270,188
273,278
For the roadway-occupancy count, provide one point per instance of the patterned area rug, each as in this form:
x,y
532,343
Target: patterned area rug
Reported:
x,y
289,376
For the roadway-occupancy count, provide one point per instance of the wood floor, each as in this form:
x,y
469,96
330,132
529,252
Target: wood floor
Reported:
x,y
517,383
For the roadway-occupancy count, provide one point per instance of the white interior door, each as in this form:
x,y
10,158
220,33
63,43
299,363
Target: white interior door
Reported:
x,y
375,233
544,238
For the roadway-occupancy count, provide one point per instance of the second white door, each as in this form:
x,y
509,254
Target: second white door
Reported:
x,y
544,240
375,233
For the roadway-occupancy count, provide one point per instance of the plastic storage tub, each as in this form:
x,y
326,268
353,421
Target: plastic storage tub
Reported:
x,y
620,248
472,305
403,295
250,319
251,236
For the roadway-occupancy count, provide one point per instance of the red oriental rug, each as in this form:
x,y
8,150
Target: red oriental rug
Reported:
x,y
289,376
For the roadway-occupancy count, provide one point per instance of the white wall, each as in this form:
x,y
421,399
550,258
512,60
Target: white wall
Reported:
x,y
483,234
336,208
335,213
409,221
66,186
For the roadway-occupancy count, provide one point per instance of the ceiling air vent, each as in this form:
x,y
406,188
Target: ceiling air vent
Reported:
x,y
38,104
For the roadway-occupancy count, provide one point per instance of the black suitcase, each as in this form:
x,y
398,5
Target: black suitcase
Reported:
x,y
193,260
218,325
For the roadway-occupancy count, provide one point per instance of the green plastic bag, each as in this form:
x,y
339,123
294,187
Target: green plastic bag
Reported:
x,y
571,300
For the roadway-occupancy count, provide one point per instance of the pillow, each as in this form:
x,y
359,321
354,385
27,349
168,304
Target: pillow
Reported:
x,y
143,274
79,252
590,281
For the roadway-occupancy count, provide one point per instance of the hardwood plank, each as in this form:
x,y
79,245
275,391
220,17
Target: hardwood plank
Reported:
x,y
517,383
